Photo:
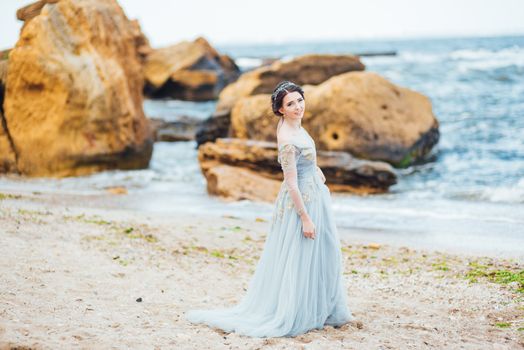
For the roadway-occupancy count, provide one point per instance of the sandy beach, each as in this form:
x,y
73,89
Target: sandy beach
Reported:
x,y
73,276
141,152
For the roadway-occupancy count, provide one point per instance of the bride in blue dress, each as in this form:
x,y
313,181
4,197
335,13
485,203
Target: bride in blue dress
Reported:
x,y
297,284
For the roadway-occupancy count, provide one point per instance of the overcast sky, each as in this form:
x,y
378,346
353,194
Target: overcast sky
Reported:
x,y
233,21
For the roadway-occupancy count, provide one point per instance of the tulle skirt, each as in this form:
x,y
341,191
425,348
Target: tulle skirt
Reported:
x,y
297,284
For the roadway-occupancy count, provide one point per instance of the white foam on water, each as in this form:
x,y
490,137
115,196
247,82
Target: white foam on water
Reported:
x,y
506,194
419,57
248,63
482,59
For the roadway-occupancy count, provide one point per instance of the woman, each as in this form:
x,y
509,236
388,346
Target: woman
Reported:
x,y
297,284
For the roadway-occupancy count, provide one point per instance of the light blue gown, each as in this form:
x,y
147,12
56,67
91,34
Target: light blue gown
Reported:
x,y
297,285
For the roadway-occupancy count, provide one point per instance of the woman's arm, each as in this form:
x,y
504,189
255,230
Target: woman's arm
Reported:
x,y
289,168
288,156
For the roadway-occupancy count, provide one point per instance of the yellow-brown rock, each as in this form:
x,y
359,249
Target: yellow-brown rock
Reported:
x,y
248,169
308,69
358,112
188,71
73,102
236,183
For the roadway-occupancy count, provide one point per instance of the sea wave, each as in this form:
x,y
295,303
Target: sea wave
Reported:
x,y
420,57
482,59
505,194
248,63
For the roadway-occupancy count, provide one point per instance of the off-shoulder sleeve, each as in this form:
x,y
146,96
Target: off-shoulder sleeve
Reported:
x,y
288,155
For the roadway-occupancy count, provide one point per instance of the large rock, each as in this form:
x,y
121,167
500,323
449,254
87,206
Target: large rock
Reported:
x,y
188,71
73,102
359,112
308,69
30,11
236,183
248,169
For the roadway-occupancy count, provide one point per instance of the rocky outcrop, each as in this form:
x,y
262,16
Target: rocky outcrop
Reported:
x,y
30,11
359,112
303,70
73,101
308,69
248,169
188,71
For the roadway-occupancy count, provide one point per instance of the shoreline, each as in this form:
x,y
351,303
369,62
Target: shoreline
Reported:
x,y
176,203
73,276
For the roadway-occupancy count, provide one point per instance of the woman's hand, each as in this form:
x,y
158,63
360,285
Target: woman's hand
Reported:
x,y
308,227
321,174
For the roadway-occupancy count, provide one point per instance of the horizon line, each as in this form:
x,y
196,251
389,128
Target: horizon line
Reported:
x,y
363,38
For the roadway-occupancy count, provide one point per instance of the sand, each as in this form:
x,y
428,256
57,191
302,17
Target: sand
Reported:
x,y
75,277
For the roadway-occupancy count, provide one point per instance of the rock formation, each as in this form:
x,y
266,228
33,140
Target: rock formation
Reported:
x,y
308,69
73,100
358,112
188,71
248,169
303,70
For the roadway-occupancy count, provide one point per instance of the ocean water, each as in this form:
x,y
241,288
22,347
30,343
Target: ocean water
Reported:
x,y
469,197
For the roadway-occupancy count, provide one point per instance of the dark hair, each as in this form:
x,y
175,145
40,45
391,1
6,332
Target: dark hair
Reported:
x,y
281,90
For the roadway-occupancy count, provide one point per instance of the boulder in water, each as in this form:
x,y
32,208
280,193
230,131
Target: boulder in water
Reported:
x,y
360,113
73,101
192,71
307,69
248,169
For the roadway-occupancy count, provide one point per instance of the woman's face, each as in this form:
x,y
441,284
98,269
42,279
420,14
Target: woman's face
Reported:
x,y
293,105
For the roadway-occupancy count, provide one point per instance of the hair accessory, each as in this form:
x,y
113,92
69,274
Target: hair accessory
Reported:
x,y
280,88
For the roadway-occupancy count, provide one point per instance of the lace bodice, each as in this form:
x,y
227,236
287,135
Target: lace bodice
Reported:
x,y
298,160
